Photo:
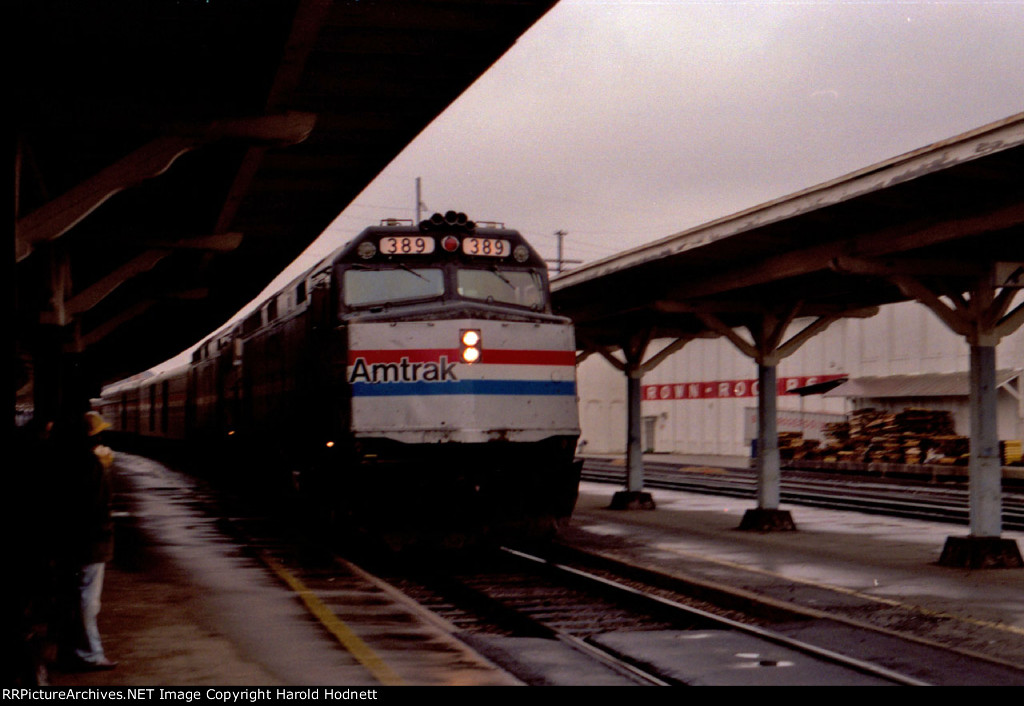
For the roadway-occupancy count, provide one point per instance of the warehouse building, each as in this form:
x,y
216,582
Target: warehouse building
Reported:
x,y
703,399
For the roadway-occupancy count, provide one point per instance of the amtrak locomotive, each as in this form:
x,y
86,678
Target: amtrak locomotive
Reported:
x,y
414,383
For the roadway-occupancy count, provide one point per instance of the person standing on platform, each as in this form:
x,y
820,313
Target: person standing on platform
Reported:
x,y
86,539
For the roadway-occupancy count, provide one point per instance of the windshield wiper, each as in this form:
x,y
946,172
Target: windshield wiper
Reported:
x,y
411,271
502,277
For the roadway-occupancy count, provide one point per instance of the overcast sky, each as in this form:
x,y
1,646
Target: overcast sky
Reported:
x,y
624,121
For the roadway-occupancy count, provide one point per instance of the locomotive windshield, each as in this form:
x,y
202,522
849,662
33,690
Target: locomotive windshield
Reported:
x,y
368,287
502,286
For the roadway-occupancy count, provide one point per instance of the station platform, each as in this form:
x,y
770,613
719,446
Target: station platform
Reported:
x,y
183,607
851,568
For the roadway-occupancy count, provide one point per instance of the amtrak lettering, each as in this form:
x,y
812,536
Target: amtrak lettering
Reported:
x,y
402,371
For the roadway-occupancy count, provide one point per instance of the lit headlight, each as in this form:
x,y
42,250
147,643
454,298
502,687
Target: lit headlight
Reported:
x,y
470,343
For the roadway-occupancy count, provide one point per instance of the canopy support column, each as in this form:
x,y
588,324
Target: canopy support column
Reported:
x,y
984,547
634,497
983,313
769,464
634,438
986,464
61,383
767,331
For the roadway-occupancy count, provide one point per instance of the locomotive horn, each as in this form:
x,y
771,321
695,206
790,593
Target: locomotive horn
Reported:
x,y
450,218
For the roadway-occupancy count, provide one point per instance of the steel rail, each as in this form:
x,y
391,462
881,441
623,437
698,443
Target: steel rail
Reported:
x,y
909,501
690,611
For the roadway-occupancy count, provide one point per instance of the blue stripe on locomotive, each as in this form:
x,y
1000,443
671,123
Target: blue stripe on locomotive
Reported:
x,y
465,387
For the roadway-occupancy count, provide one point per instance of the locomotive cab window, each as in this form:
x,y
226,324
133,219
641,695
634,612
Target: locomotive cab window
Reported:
x,y
498,285
369,287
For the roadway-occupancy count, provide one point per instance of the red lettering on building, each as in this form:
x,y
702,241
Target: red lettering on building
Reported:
x,y
722,389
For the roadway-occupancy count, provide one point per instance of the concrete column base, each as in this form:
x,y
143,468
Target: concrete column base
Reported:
x,y
632,500
761,520
981,553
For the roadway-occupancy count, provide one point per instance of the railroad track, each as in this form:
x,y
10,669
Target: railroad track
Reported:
x,y
878,496
645,635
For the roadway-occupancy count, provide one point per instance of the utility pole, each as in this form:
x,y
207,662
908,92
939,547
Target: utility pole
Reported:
x,y
419,200
560,234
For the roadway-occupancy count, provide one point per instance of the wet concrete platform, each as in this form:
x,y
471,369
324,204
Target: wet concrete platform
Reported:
x,y
852,568
183,604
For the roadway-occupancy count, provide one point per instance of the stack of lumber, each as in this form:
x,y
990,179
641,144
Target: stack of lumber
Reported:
x,y
1012,452
950,450
793,445
912,436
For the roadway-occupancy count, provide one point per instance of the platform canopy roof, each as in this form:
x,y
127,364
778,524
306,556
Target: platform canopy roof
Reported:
x,y
174,156
931,222
914,386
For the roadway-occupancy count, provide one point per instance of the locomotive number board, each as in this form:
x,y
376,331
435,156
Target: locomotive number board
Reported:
x,y
407,245
488,247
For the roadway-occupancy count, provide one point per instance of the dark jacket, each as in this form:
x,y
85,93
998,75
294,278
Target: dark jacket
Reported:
x,y
85,527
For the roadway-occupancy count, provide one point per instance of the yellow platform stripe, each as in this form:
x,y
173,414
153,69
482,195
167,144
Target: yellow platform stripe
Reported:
x,y
363,653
